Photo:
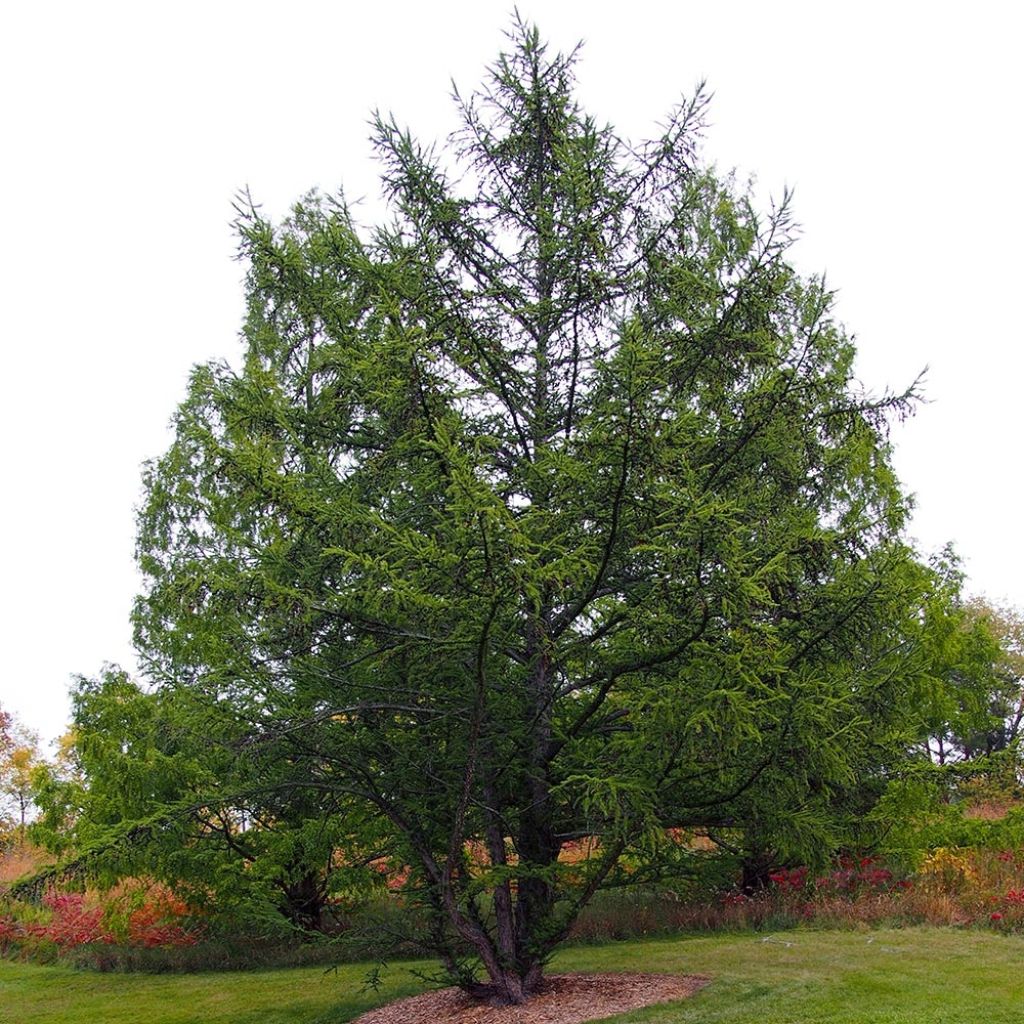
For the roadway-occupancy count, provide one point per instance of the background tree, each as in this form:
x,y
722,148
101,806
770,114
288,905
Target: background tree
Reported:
x,y
19,757
972,705
6,745
977,706
550,509
1005,708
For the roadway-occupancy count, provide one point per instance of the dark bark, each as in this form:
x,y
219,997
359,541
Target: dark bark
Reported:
x,y
303,901
754,871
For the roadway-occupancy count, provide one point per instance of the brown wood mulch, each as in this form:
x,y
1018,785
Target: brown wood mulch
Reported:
x,y
564,999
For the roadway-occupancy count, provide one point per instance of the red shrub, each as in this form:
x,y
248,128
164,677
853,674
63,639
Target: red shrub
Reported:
x,y
152,917
73,923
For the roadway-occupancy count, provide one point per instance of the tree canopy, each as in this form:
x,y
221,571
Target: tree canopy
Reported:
x,y
548,512
134,766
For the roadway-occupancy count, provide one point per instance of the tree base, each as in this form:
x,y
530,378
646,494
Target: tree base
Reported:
x,y
493,994
562,999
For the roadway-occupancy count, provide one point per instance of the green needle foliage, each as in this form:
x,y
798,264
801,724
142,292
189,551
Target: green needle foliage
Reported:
x,y
548,510
132,796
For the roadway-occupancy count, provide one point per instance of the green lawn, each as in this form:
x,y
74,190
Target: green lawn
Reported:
x,y
911,976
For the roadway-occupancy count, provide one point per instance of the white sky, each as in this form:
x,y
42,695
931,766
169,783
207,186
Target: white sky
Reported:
x,y
127,128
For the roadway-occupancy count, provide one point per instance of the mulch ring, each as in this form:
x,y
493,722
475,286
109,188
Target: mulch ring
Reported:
x,y
564,999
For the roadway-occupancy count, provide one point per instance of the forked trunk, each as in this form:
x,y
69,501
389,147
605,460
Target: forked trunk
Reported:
x,y
303,902
509,987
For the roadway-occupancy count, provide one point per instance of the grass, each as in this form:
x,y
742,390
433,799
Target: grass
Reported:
x,y
905,976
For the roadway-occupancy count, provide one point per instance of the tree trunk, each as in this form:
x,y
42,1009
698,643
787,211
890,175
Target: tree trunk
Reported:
x,y
755,869
303,902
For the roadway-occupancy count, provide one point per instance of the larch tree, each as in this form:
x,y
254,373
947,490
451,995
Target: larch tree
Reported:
x,y
547,512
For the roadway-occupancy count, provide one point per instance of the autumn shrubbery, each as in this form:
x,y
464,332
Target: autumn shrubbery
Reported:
x,y
144,926
139,926
951,886
92,925
89,925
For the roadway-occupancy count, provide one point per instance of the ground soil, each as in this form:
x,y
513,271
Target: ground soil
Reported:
x,y
564,999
